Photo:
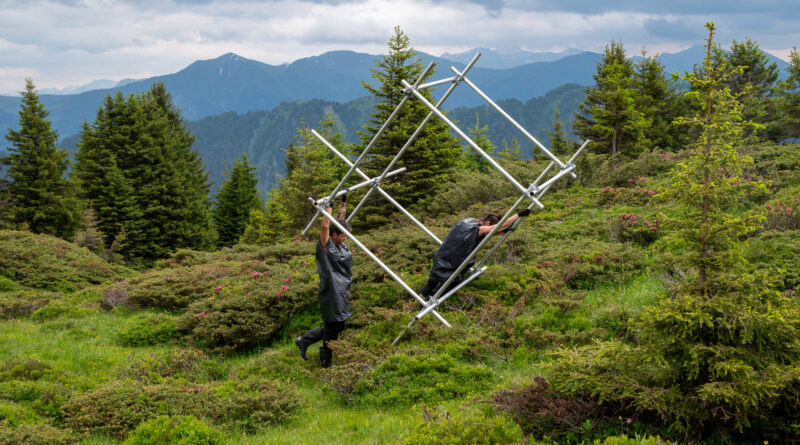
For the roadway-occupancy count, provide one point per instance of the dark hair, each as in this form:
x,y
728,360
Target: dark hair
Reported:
x,y
492,218
333,229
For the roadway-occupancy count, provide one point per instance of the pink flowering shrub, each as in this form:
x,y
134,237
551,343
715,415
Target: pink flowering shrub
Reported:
x,y
783,216
631,227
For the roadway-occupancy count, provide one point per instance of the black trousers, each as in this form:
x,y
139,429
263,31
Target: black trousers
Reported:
x,y
331,331
430,288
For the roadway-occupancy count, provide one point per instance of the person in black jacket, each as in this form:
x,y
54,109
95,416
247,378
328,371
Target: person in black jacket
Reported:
x,y
462,239
335,269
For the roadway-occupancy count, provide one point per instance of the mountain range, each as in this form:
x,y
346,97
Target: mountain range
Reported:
x,y
236,105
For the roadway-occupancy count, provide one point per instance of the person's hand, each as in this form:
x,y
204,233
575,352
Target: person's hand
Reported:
x,y
524,212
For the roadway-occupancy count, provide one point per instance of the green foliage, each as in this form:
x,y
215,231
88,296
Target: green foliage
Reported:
x,y
789,99
430,160
630,227
179,430
150,329
189,364
473,426
136,168
46,262
120,406
474,161
608,116
404,380
657,101
36,434
40,196
237,197
558,140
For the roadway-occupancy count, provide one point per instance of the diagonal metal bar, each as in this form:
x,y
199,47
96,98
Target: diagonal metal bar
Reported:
x,y
371,143
369,182
433,306
472,144
455,82
511,120
377,186
380,263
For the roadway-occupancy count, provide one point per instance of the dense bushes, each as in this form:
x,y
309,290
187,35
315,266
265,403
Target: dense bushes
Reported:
x,y
120,406
175,430
149,329
46,262
403,380
35,434
473,426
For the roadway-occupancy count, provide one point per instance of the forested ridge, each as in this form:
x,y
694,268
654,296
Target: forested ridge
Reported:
x,y
653,299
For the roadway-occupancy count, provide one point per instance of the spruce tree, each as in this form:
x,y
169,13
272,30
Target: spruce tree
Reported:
x,y
754,86
40,196
657,101
311,171
431,160
511,152
608,116
473,160
559,145
789,100
137,168
235,200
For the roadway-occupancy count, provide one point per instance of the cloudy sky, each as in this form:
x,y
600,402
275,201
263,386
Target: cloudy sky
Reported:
x,y
71,42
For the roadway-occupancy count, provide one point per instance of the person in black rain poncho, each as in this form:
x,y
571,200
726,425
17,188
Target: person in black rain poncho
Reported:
x,y
462,239
335,268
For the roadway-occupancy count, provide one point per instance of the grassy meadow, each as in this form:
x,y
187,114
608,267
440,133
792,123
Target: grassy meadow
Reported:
x,y
97,353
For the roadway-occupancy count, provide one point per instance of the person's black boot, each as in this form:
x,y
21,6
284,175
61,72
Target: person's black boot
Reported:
x,y
308,339
325,357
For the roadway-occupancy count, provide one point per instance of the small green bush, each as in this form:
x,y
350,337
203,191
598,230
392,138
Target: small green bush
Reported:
x,y
22,303
404,380
151,329
18,369
475,426
625,440
14,414
192,365
7,284
35,434
175,430
638,229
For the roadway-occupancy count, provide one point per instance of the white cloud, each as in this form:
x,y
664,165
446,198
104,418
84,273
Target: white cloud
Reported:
x,y
61,43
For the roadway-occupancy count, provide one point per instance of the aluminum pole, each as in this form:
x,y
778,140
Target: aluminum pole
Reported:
x,y
383,266
372,142
510,119
471,143
439,82
361,184
380,190
416,133
433,306
478,247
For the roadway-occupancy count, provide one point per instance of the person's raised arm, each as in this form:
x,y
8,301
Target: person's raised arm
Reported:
x,y
483,230
325,230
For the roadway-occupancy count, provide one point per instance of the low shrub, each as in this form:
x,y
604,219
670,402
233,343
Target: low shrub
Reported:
x,y
545,412
622,195
175,430
46,262
150,329
473,426
36,434
633,228
6,284
19,369
23,303
14,414
192,365
404,380
782,216
44,397
120,406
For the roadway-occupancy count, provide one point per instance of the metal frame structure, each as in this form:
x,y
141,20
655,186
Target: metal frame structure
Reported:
x,y
532,193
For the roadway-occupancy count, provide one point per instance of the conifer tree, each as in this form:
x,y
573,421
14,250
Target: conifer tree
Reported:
x,y
311,171
511,152
608,116
472,159
40,195
789,100
657,101
235,200
431,160
137,168
754,86
558,141
89,236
